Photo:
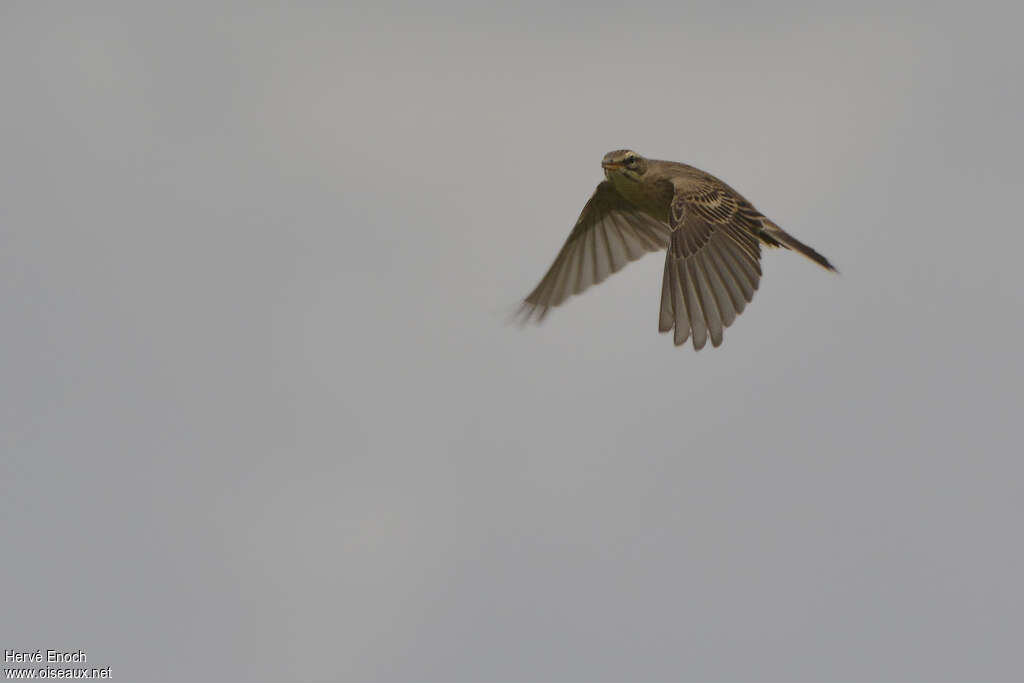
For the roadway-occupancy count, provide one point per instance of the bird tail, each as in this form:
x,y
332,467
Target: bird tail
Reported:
x,y
777,237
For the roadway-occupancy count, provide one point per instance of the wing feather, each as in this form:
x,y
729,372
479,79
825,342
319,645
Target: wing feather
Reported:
x,y
712,267
609,233
718,289
666,314
727,277
682,315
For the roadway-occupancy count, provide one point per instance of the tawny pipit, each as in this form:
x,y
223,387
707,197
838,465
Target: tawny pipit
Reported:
x,y
713,236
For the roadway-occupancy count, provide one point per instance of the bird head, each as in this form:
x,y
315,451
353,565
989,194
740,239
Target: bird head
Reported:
x,y
624,163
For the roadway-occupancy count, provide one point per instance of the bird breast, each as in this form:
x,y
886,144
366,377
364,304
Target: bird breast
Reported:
x,y
645,196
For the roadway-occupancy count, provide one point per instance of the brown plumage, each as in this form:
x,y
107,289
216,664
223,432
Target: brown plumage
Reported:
x,y
712,235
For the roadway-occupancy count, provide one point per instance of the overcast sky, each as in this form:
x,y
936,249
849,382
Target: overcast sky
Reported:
x,y
261,417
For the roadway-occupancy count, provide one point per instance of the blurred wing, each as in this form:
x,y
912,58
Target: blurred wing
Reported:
x,y
609,233
712,267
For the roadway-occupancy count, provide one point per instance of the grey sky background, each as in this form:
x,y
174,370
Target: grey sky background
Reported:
x,y
261,417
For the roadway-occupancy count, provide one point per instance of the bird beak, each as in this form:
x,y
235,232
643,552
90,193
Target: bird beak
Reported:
x,y
609,165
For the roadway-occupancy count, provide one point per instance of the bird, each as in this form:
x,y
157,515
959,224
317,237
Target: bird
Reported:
x,y
711,234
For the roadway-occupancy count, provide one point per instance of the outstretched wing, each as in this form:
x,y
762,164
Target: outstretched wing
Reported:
x,y
609,233
712,267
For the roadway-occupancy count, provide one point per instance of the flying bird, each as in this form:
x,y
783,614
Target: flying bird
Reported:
x,y
713,238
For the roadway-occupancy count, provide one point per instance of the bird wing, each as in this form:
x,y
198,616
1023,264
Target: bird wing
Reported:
x,y
609,233
717,203
712,266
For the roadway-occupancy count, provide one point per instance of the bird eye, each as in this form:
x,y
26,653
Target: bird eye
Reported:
x,y
631,161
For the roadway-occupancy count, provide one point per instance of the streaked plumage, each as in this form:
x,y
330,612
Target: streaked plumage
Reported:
x,y
712,235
